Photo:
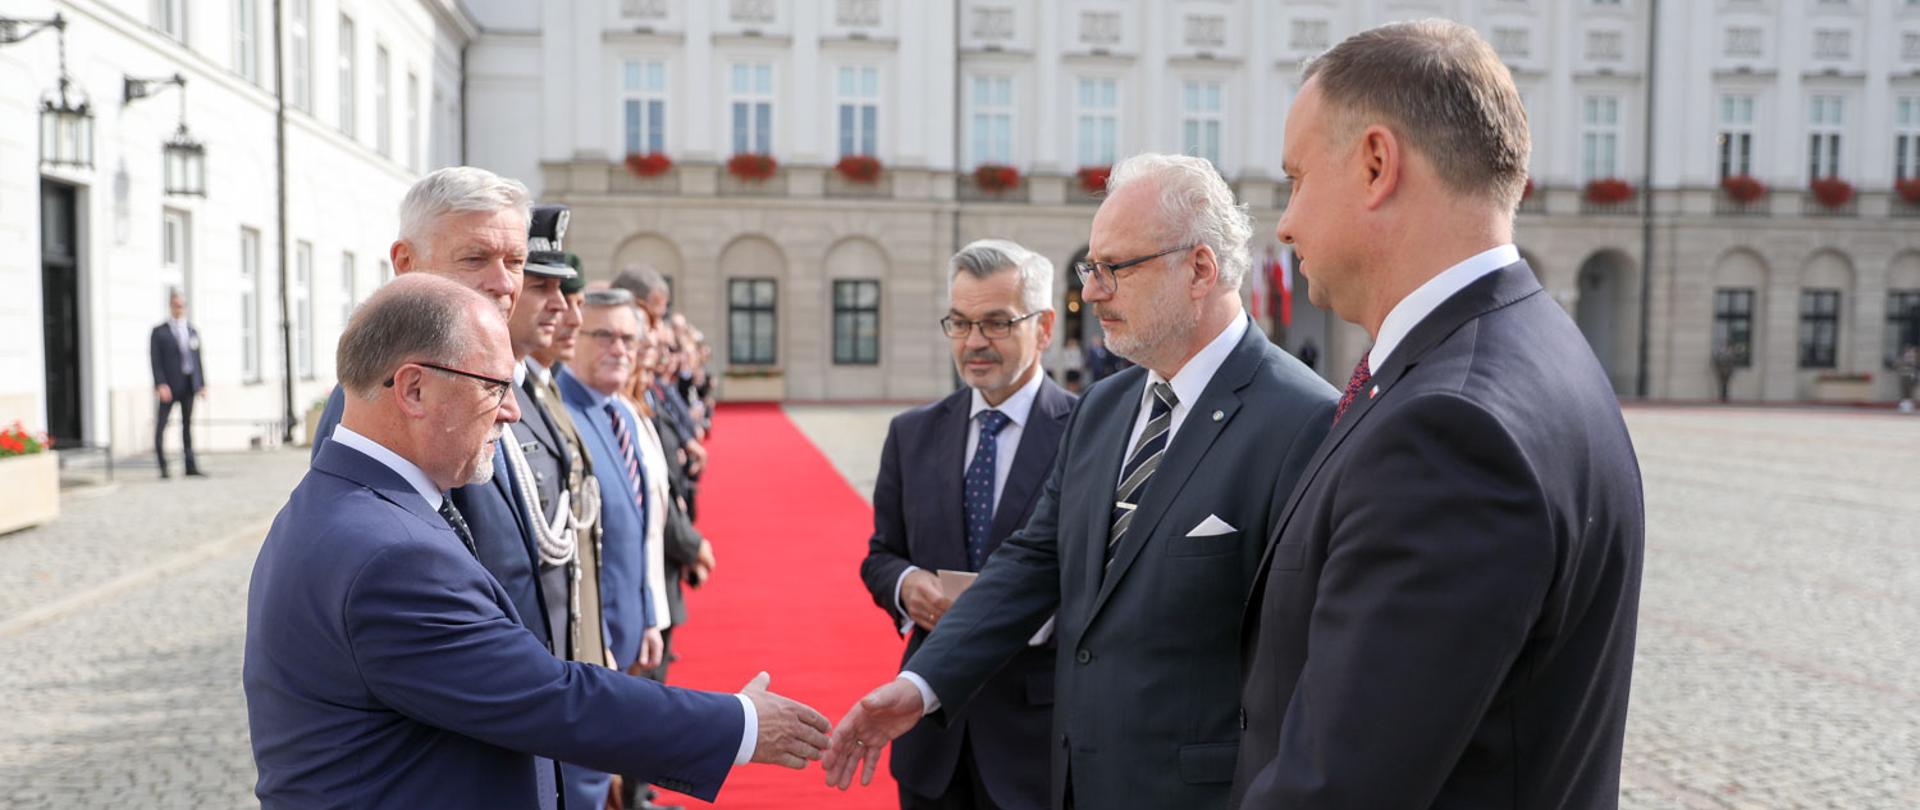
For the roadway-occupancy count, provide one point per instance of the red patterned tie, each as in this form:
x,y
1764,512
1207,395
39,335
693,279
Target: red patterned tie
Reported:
x,y
1361,376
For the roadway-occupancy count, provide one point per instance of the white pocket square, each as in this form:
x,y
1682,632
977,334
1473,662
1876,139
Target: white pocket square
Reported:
x,y
1213,526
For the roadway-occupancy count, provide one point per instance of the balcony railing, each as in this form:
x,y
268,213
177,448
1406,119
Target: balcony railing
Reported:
x,y
1811,206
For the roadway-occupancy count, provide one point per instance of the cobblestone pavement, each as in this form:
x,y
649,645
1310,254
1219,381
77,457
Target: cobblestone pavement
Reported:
x,y
1779,651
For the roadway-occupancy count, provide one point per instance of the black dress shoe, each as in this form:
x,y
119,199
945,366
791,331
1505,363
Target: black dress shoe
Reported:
x,y
196,474
163,474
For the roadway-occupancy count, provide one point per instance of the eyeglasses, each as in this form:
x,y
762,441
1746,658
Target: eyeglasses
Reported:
x,y
493,386
991,328
1108,275
608,337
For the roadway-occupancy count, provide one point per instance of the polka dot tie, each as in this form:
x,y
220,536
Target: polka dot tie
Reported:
x,y
979,487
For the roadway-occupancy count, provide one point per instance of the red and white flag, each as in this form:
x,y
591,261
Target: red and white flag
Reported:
x,y
1283,269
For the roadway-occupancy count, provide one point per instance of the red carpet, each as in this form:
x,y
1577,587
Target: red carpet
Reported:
x,y
786,597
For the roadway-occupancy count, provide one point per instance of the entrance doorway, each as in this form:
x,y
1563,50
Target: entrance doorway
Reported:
x,y
60,309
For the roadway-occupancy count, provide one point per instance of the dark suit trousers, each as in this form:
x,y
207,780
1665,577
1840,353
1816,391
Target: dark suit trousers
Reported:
x,y
965,792
186,430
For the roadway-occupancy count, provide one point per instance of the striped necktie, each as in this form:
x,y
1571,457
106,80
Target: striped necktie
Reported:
x,y
627,456
1145,458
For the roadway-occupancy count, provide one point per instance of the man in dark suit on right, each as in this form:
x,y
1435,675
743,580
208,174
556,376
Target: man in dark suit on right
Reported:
x,y
1446,615
1150,525
956,478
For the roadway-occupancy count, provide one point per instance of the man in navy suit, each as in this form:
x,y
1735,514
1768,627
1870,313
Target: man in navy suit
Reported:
x,y
1445,615
470,226
956,478
1150,525
178,378
386,668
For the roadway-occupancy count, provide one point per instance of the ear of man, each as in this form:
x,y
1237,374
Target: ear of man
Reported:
x,y
1384,158
1206,272
402,255
409,391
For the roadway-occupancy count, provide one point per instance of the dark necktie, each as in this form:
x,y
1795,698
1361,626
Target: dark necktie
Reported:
x,y
1361,376
979,487
628,457
459,525
1145,458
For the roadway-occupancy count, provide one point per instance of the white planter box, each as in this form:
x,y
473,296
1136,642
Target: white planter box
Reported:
x,y
1843,390
753,389
31,486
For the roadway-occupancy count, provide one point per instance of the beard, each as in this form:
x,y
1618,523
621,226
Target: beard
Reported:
x,y
483,463
1165,318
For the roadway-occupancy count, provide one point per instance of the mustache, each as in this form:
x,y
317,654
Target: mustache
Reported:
x,y
1106,313
988,354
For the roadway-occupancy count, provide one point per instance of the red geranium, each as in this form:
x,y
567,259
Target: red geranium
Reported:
x,y
995,177
1832,192
1743,188
1608,191
1093,179
752,167
859,168
16,441
1526,192
1909,189
651,164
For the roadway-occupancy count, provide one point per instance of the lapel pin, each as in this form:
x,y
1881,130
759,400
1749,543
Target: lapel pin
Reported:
x,y
1219,415
1374,393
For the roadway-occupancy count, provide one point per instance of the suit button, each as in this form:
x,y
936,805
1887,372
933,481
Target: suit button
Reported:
x,y
1243,719
1083,656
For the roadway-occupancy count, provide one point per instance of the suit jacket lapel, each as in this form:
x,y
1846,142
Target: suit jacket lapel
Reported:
x,y
949,478
1189,446
1112,442
1493,291
1039,441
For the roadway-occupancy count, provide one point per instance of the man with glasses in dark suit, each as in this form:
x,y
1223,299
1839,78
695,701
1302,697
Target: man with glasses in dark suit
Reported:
x,y
956,478
1149,526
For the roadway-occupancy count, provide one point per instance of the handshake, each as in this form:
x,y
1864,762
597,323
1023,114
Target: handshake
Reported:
x,y
792,734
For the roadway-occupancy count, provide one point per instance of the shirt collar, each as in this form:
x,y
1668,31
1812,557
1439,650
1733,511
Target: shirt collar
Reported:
x,y
1191,380
1429,296
407,469
1017,407
594,397
541,373
519,374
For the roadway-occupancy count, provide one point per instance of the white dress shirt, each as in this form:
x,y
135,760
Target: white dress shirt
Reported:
x,y
1017,408
653,458
182,338
407,469
1188,383
1428,297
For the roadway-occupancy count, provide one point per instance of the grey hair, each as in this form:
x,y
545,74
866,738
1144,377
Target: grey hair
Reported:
x,y
641,280
414,318
611,297
982,258
1196,206
458,190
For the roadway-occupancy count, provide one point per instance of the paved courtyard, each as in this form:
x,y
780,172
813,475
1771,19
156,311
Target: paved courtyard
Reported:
x,y
1779,654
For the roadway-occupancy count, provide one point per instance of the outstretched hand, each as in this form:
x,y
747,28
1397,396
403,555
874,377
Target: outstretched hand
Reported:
x,y
879,718
791,733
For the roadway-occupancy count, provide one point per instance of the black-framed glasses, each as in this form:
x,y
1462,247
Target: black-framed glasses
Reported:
x,y
608,337
992,328
1108,274
491,386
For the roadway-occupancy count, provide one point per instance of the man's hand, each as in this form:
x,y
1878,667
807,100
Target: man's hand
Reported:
x,y
921,597
163,392
791,733
705,559
652,645
614,802
879,718
696,457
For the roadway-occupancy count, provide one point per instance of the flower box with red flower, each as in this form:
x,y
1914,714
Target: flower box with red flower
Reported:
x,y
752,167
30,477
651,164
864,169
1743,188
1093,179
1526,192
996,177
1609,191
1909,189
1831,192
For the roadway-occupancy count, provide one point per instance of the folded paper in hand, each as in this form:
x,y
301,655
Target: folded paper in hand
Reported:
x,y
953,583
